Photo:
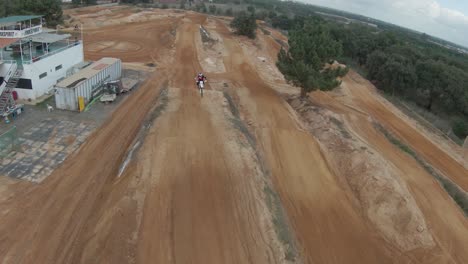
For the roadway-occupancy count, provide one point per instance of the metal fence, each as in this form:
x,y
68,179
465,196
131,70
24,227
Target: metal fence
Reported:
x,y
8,142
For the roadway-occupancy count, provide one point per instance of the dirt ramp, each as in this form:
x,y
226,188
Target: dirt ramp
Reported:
x,y
365,97
206,202
197,209
210,48
377,187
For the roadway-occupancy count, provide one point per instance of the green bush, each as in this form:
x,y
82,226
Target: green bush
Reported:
x,y
460,128
212,9
245,24
229,12
201,7
262,15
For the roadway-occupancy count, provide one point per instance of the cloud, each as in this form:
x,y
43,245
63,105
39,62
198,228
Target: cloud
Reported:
x,y
428,16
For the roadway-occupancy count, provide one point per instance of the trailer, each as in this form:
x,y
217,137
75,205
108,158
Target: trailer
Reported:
x,y
87,84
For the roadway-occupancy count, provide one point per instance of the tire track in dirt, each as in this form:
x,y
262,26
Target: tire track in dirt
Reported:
x,y
446,228
206,200
195,191
140,42
194,195
43,221
358,155
325,222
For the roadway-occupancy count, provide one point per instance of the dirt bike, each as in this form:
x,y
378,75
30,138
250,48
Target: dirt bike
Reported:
x,y
201,86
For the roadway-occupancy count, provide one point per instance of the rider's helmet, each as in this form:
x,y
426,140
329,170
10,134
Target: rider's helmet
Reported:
x,y
200,74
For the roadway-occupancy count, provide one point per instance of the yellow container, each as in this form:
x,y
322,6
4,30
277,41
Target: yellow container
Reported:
x,y
81,104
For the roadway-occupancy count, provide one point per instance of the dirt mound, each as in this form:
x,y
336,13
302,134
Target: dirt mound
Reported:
x,y
210,50
443,155
376,184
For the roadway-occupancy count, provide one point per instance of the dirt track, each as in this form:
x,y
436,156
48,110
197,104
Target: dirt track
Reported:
x,y
201,187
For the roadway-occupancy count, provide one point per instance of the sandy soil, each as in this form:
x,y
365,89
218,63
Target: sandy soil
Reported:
x,y
145,42
238,176
366,98
373,173
93,17
210,48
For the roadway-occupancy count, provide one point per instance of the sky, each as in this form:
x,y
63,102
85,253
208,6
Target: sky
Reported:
x,y
447,19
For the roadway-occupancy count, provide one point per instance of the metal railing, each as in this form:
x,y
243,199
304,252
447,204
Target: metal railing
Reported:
x,y
32,60
10,73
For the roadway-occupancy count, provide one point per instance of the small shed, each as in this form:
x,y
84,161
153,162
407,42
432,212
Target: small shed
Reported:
x,y
87,83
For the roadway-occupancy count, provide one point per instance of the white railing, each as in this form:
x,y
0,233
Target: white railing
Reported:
x,y
21,33
51,53
9,74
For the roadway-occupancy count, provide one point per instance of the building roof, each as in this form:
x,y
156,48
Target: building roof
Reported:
x,y
86,73
4,42
5,21
49,37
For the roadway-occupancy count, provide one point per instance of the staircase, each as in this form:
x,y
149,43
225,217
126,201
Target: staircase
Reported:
x,y
7,103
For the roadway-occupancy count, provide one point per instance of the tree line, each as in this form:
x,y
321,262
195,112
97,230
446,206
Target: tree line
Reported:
x,y
307,61
398,61
431,76
50,9
86,2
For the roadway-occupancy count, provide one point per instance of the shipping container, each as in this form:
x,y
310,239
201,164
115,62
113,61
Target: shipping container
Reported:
x,y
87,83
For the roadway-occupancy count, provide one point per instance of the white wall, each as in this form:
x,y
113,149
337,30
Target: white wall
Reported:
x,y
4,69
67,58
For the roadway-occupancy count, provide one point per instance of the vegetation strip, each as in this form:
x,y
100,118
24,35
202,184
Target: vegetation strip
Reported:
x,y
273,200
457,194
155,112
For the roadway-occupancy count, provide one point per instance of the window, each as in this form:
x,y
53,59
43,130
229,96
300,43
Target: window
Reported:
x,y
43,75
58,67
24,84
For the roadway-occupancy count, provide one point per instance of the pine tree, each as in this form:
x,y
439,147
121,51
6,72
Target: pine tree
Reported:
x,y
310,48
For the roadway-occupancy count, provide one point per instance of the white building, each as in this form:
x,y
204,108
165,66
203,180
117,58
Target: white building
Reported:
x,y
33,59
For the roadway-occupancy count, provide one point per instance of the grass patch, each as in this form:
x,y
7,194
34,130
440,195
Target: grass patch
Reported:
x,y
457,194
237,122
272,199
281,228
341,127
265,32
436,123
163,99
48,101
